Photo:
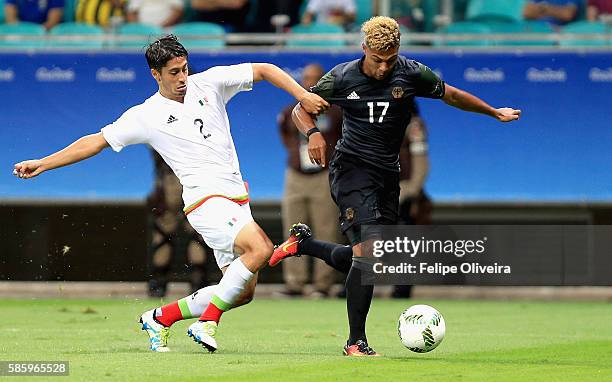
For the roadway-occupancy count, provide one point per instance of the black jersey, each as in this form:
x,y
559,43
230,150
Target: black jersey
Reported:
x,y
377,112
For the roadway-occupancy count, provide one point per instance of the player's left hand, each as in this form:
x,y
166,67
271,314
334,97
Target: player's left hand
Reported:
x,y
316,149
507,114
313,104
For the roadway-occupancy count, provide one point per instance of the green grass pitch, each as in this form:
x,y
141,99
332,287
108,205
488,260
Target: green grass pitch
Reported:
x,y
300,340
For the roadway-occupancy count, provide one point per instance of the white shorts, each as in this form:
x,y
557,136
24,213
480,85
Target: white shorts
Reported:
x,y
219,220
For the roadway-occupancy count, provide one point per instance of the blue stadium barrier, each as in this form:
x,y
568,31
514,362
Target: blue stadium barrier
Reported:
x,y
559,151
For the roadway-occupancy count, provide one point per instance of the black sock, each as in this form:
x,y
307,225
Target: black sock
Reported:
x,y
358,299
339,257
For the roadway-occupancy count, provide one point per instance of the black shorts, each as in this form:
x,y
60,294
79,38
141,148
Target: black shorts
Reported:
x,y
365,194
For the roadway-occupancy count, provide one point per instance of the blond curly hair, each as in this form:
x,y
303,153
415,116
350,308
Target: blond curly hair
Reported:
x,y
381,33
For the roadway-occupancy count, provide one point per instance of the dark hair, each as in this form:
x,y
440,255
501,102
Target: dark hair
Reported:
x,y
163,50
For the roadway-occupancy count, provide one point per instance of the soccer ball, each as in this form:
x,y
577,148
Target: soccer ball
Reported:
x,y
421,328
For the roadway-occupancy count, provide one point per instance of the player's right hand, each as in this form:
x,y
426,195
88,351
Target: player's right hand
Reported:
x,y
313,103
28,169
317,148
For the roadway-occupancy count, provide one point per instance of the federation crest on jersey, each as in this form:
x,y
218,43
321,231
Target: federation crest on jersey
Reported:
x,y
397,92
349,214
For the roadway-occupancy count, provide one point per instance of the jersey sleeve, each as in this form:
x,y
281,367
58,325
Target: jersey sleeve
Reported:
x,y
228,80
429,85
325,87
125,131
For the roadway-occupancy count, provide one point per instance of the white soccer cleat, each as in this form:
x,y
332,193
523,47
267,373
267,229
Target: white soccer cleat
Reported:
x,y
203,332
158,333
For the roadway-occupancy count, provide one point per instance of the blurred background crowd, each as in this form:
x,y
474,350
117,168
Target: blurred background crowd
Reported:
x,y
218,17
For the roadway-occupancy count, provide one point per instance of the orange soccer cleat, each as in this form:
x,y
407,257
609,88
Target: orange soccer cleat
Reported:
x,y
289,247
359,349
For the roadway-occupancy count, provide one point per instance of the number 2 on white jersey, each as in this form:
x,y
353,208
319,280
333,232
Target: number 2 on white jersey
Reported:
x,y
385,106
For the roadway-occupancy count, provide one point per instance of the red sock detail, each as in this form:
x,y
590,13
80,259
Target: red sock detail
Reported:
x,y
170,314
212,313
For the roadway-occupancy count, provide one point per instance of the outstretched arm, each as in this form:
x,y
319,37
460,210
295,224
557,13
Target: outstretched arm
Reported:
x,y
83,148
279,78
468,102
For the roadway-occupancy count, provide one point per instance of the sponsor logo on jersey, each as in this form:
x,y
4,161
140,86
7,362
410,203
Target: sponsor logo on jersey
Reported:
x,y
397,92
600,75
7,75
55,75
353,95
171,119
115,75
484,75
546,75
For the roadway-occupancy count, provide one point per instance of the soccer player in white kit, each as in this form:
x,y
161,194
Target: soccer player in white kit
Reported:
x,y
187,124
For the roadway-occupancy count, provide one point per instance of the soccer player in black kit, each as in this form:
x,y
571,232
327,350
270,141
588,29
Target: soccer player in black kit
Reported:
x,y
375,93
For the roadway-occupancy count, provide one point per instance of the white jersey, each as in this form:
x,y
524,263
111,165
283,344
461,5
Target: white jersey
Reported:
x,y
193,137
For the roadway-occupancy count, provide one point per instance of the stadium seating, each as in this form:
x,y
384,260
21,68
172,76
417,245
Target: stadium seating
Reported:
x,y
28,29
495,10
521,27
189,32
77,29
585,27
465,27
316,28
482,17
142,33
